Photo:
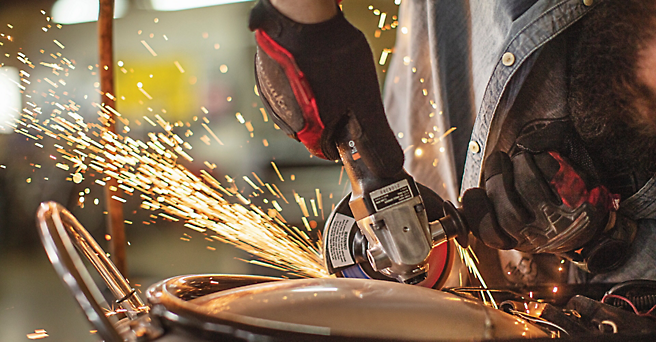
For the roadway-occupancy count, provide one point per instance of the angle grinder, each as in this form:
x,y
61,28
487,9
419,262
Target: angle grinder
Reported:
x,y
320,87
389,228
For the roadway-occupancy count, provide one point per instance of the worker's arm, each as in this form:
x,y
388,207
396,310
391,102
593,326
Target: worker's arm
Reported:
x,y
315,72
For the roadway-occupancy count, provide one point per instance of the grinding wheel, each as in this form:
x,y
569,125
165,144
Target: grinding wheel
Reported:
x,y
344,247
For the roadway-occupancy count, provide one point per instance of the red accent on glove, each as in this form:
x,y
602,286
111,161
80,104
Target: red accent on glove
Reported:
x,y
310,135
572,189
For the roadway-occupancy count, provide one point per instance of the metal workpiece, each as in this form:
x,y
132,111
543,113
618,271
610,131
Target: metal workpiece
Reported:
x,y
61,235
126,296
141,329
399,239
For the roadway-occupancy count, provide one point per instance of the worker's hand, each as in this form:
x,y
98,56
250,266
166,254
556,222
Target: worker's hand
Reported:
x,y
537,199
312,78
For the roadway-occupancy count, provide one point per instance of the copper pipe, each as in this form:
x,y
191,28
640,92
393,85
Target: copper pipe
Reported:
x,y
114,208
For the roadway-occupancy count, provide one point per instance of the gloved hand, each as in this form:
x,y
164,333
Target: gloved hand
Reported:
x,y
313,78
537,199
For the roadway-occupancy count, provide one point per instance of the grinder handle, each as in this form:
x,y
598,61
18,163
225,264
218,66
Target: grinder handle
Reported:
x,y
367,167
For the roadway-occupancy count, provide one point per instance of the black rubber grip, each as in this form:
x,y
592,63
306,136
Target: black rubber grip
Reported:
x,y
478,212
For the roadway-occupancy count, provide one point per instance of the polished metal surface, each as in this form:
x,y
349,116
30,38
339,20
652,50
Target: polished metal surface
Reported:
x,y
343,307
173,306
61,252
437,232
181,289
61,234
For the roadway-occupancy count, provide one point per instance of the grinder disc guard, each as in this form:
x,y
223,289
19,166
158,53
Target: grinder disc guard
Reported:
x,y
344,246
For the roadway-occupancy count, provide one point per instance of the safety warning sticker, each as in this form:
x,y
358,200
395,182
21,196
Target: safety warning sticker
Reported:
x,y
391,194
337,240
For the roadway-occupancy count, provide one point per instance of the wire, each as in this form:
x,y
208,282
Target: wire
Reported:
x,y
633,283
606,296
478,289
608,323
635,310
650,310
538,320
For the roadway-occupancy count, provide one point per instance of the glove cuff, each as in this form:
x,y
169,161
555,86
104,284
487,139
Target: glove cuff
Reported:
x,y
298,38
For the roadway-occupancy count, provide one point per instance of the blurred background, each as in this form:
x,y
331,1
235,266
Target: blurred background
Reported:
x,y
190,62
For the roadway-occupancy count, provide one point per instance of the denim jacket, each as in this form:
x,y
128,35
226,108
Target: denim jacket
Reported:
x,y
457,67
452,62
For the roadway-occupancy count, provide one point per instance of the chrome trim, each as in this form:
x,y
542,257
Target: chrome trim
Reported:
x,y
61,234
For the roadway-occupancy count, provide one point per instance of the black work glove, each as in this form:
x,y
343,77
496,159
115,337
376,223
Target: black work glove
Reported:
x,y
542,198
313,78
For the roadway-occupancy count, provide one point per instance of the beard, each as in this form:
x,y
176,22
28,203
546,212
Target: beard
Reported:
x,y
613,109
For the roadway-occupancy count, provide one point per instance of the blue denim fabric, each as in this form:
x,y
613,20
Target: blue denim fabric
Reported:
x,y
642,204
447,72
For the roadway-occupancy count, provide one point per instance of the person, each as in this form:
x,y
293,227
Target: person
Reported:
x,y
538,115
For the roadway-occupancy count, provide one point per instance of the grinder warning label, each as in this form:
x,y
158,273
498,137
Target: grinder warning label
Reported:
x,y
337,240
391,194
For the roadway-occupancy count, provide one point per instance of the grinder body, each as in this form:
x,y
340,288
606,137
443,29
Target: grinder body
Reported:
x,y
395,236
389,211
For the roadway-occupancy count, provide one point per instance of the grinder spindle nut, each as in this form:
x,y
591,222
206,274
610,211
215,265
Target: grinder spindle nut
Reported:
x,y
454,225
378,258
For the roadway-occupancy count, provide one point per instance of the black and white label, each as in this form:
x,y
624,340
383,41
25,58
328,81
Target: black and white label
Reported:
x,y
391,195
337,240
